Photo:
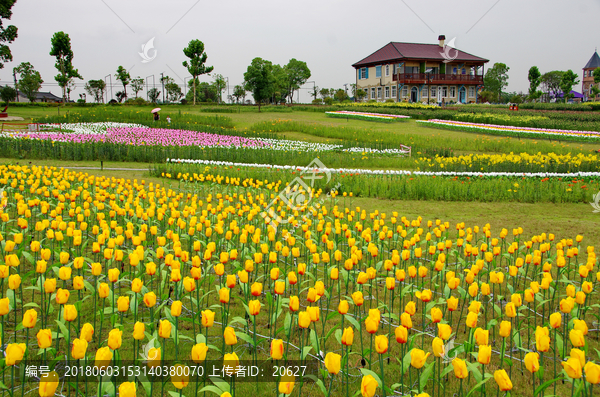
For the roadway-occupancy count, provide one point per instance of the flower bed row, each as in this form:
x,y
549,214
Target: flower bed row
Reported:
x,y
404,185
357,171
520,132
366,116
138,135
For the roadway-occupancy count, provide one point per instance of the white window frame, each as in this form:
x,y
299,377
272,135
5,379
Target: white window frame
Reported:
x,y
452,92
394,91
471,92
387,92
379,93
444,92
372,92
378,69
387,70
405,91
433,91
363,73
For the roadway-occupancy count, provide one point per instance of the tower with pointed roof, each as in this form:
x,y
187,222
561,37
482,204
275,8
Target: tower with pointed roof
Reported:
x,y
588,78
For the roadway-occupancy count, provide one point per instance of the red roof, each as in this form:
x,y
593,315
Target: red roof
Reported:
x,y
414,51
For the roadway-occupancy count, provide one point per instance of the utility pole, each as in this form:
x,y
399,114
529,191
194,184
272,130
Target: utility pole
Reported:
x,y
162,81
15,77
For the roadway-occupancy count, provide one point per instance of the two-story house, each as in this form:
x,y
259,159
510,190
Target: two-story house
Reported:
x,y
588,77
427,73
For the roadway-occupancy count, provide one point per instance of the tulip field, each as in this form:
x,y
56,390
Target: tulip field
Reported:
x,y
246,264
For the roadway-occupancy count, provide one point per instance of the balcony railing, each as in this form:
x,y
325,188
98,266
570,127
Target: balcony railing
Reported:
x,y
430,78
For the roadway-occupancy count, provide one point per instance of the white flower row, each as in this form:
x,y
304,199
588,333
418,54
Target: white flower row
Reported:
x,y
522,130
390,172
92,128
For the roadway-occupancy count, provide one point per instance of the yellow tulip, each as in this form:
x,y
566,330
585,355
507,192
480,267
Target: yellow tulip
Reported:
x,y
115,338
180,377
208,318
127,389
199,352
460,368
368,386
438,347
164,329
503,381
485,354
333,363
348,336
44,338
572,367
48,384
532,362
230,337
418,358
79,348
276,349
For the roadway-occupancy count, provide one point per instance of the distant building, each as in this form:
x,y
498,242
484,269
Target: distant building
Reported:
x,y
40,97
588,79
428,73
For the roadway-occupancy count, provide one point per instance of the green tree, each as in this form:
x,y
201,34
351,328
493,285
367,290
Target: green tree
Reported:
x,y
96,89
324,92
8,94
551,81
195,51
30,81
496,79
314,92
173,90
568,80
534,76
360,95
340,95
137,85
259,80
61,49
296,73
239,92
153,94
220,85
123,76
7,34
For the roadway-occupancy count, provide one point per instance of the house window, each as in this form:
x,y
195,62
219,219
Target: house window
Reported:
x,y
387,70
452,92
377,71
433,91
454,70
405,91
363,73
471,92
393,91
372,93
464,71
378,92
387,92
444,92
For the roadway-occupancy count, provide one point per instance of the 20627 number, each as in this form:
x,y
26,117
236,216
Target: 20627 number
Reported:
x,y
289,371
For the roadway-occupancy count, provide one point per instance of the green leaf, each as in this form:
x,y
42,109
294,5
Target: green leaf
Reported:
x,y
473,369
63,328
313,340
321,385
405,362
245,337
426,373
338,336
212,389
352,321
540,389
287,323
221,384
305,351
478,385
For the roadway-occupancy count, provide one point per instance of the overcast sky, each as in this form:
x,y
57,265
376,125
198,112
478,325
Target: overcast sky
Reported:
x,y
329,35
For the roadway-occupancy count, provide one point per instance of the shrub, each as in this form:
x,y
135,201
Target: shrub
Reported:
x,y
317,101
328,101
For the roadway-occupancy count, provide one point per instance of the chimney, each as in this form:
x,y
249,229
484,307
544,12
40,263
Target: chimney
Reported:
x,y
442,40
